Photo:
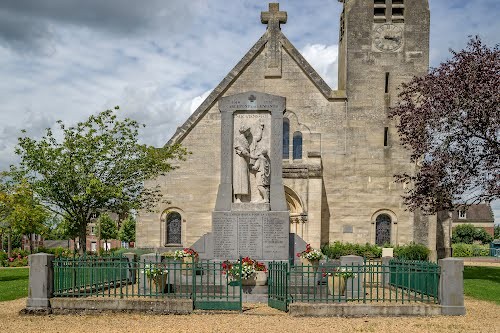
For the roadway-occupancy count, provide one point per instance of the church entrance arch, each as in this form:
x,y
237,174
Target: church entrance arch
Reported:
x,y
298,217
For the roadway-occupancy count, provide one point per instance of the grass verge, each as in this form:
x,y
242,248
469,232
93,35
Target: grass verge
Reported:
x,y
482,283
13,283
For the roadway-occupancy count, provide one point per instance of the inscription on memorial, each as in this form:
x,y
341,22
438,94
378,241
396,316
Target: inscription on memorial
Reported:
x,y
250,236
225,236
260,235
274,236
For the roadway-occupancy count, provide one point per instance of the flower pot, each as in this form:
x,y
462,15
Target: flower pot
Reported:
x,y
187,265
258,278
336,285
159,282
313,263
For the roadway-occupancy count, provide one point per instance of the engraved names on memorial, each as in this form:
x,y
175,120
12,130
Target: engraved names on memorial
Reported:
x,y
260,235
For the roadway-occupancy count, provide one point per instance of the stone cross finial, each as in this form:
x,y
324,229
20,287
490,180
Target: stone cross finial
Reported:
x,y
273,18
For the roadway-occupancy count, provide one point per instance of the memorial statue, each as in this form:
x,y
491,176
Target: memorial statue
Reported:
x,y
263,168
257,134
241,163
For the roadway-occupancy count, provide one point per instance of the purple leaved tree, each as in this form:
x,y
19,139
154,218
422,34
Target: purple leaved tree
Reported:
x,y
449,119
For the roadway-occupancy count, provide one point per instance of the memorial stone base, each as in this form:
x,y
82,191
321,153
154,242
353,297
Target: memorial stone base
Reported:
x,y
260,235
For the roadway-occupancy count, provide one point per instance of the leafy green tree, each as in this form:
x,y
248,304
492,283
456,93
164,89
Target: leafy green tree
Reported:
x,y
497,232
106,228
127,230
468,234
22,210
97,165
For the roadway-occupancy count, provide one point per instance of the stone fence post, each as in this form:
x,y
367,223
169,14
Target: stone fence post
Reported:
x,y
41,281
132,272
451,287
355,286
144,282
386,272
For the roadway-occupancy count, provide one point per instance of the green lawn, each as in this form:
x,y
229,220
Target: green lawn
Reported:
x,y
13,283
482,283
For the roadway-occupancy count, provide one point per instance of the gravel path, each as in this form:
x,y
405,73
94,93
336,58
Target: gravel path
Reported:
x,y
481,317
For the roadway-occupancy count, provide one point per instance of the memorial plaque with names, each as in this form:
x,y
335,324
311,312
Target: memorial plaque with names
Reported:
x,y
225,230
259,235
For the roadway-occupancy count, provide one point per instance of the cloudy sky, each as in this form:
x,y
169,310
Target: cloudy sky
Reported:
x,y
158,60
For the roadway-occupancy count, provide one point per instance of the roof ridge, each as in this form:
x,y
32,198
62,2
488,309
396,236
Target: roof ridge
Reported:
x,y
184,129
308,70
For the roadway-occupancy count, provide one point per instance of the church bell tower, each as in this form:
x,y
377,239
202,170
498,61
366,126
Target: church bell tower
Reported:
x,y
382,43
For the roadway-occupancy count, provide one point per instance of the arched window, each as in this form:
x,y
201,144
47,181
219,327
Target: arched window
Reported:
x,y
383,229
173,228
297,146
286,138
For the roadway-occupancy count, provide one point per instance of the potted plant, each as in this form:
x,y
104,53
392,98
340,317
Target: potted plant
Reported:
x,y
189,257
157,274
253,273
337,280
310,257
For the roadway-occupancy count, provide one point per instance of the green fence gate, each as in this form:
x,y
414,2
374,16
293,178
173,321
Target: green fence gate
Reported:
x,y
214,289
278,282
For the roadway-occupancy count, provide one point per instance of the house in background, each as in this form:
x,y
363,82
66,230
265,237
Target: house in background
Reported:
x,y
92,237
480,216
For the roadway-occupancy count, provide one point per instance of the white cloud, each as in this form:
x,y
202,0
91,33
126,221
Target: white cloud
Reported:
x,y
323,58
198,100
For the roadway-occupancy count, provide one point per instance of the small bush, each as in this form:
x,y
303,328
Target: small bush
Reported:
x,y
138,252
470,250
468,234
339,249
58,252
3,258
412,251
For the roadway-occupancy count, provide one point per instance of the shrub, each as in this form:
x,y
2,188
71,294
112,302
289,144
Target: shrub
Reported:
x,y
138,252
412,251
58,252
3,258
470,250
339,249
468,234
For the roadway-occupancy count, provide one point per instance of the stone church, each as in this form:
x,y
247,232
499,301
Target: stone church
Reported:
x,y
338,149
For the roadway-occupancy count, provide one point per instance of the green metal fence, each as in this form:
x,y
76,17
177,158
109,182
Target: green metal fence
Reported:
x,y
371,282
86,276
417,277
205,282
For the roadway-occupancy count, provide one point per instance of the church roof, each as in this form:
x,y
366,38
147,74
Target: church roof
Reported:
x,y
318,81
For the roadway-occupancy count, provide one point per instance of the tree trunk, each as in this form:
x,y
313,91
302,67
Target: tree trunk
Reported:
x,y
9,245
82,239
30,242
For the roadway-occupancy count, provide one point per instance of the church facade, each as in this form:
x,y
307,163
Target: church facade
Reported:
x,y
340,150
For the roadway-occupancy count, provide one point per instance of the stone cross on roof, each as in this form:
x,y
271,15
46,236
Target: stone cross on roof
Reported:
x,y
273,18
